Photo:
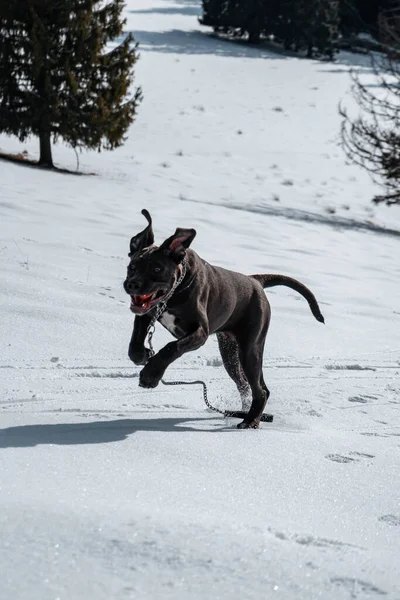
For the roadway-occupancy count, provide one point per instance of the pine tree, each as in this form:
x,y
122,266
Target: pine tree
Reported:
x,y
369,11
58,78
309,25
236,17
326,27
215,14
249,17
362,15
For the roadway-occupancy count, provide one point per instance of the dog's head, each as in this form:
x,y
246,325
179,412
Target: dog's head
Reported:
x,y
154,270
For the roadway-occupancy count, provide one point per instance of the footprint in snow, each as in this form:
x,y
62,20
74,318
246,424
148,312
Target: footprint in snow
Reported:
x,y
348,459
105,293
358,588
362,399
390,520
339,458
310,540
362,454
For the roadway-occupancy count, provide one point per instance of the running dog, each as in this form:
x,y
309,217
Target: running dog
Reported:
x,y
202,299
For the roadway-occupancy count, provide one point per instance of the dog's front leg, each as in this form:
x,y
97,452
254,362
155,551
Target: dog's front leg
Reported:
x,y
152,373
138,353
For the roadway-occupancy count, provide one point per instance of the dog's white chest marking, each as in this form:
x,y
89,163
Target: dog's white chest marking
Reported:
x,y
168,321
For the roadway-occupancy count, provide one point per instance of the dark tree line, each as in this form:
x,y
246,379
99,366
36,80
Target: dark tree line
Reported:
x,y
58,79
309,26
299,25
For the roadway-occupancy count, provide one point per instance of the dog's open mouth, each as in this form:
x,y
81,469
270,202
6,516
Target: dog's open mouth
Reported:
x,y
141,303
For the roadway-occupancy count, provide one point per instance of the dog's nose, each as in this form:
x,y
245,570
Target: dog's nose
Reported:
x,y
131,286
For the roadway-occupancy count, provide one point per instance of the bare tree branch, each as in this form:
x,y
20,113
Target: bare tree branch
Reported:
x,y
372,139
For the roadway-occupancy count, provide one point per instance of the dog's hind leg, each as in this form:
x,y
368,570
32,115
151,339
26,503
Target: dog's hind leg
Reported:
x,y
251,340
229,350
263,384
252,366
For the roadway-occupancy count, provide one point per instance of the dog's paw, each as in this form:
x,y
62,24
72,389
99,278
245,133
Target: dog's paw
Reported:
x,y
255,424
139,357
149,378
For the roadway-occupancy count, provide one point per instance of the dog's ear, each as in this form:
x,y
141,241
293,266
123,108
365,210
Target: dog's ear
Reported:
x,y
176,245
145,238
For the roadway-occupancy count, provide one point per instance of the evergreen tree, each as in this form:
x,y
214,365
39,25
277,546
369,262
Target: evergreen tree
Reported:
x,y
369,11
362,15
236,17
325,27
58,79
309,25
214,13
249,17
350,18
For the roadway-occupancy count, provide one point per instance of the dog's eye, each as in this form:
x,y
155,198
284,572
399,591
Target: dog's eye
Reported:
x,y
156,269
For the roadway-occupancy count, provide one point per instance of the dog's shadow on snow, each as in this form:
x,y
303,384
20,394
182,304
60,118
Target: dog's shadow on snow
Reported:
x,y
101,432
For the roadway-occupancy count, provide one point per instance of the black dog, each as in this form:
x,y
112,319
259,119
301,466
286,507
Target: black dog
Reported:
x,y
208,300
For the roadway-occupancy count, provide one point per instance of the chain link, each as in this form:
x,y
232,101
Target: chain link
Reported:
x,y
162,307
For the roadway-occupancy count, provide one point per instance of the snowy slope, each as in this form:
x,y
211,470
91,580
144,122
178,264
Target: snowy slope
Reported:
x,y
111,491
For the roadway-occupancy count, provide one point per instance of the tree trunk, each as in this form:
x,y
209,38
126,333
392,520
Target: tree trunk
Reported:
x,y
46,159
254,36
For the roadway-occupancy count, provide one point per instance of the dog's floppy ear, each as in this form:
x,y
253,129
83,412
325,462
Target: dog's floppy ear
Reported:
x,y
145,238
176,245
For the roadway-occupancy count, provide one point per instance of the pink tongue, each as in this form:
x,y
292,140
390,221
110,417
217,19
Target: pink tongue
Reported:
x,y
142,300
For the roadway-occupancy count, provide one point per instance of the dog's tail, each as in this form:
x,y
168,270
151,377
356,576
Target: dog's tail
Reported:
x,y
272,280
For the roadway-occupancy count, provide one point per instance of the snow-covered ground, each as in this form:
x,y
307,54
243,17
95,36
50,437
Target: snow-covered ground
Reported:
x,y
109,491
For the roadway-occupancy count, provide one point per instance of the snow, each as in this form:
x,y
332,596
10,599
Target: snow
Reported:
x,y
111,491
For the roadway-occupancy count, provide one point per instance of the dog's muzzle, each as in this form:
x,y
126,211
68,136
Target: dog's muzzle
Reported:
x,y
142,303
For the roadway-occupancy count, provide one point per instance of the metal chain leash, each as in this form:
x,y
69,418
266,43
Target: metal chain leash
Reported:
x,y
161,308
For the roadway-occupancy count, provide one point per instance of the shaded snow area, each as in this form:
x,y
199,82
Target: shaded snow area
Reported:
x,y
110,491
